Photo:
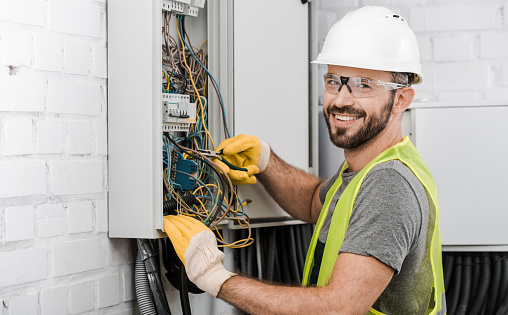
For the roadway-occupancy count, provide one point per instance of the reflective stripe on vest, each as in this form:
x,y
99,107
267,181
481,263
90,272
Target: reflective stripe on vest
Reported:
x,y
407,154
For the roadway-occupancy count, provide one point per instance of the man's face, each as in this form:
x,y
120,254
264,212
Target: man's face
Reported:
x,y
355,121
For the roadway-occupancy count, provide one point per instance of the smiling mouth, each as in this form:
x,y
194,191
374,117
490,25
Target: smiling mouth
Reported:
x,y
346,118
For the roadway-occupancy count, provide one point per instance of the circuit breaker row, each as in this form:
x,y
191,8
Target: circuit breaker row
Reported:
x,y
177,112
184,7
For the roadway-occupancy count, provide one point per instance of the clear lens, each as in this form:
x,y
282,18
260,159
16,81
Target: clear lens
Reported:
x,y
358,86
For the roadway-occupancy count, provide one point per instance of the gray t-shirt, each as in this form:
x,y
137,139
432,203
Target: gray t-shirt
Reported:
x,y
391,222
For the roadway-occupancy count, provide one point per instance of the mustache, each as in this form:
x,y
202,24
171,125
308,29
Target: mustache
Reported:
x,y
345,111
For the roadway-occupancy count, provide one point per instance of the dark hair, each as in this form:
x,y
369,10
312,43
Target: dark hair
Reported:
x,y
405,78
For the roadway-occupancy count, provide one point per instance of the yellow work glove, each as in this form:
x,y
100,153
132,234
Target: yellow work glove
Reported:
x,y
244,151
196,246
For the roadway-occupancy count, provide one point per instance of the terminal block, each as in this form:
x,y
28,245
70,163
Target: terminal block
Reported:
x,y
184,7
177,112
172,6
184,179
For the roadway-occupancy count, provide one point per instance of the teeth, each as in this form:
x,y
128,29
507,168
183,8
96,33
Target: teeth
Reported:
x,y
346,118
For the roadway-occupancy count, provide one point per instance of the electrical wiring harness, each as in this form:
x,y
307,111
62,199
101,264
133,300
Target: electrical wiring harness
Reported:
x,y
193,184
184,71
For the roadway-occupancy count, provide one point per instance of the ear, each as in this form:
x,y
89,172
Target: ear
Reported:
x,y
403,99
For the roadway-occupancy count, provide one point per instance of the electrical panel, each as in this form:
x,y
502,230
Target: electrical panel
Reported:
x,y
152,102
155,108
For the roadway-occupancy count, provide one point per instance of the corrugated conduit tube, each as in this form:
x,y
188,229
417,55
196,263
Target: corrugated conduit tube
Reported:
x,y
143,291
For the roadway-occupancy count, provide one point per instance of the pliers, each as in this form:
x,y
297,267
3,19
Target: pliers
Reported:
x,y
217,155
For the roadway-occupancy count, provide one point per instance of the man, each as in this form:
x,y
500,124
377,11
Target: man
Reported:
x,y
376,247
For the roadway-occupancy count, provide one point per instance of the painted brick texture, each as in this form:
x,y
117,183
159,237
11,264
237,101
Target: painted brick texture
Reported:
x,y
55,254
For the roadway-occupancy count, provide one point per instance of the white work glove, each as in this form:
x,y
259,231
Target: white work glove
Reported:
x,y
247,152
196,246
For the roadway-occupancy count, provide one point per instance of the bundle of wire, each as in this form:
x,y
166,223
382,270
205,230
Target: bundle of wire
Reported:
x,y
185,72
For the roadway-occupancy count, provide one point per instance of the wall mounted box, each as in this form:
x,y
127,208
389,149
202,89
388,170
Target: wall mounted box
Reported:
x,y
258,97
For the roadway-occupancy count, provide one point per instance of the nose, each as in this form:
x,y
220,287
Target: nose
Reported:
x,y
343,97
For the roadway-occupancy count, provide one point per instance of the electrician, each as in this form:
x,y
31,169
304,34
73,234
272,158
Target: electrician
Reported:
x,y
376,246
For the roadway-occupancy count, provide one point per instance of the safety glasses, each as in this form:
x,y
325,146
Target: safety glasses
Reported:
x,y
358,87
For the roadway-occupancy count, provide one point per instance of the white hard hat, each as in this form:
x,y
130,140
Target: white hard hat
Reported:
x,y
372,38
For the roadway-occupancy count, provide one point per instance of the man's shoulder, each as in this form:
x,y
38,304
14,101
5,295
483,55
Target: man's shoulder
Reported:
x,y
396,174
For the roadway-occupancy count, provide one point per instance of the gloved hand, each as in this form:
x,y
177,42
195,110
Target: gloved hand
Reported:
x,y
244,151
196,246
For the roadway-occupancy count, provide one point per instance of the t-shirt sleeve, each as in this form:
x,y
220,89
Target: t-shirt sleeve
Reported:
x,y
386,219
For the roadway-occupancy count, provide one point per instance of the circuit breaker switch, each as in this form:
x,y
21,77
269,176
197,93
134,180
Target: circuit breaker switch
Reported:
x,y
177,112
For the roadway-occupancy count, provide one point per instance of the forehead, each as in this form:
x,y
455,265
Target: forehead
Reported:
x,y
358,72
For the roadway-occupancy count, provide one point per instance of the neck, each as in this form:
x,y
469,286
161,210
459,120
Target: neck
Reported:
x,y
357,158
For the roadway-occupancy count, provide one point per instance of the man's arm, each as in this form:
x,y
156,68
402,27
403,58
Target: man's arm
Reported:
x,y
355,284
296,191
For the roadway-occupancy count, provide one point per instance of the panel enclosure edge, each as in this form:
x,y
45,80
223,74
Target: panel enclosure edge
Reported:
x,y
134,119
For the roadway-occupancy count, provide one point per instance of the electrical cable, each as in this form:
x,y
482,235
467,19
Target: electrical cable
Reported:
x,y
448,270
172,265
146,251
269,259
182,22
169,205
251,260
184,291
495,262
503,308
293,259
283,258
213,166
178,21
243,253
299,251
143,292
465,288
219,197
503,287
476,279
277,272
483,287
454,291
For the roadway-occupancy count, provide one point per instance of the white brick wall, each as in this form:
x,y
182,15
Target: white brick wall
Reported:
x,y
54,301
80,217
82,298
19,223
109,291
18,136
24,304
48,53
50,136
77,256
55,254
463,44
76,58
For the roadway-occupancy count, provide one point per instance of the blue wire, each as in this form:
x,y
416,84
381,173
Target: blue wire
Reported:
x,y
218,89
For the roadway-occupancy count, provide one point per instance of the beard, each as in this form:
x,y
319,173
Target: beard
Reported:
x,y
372,126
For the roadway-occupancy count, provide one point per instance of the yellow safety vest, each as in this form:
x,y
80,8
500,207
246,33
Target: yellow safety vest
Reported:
x,y
406,152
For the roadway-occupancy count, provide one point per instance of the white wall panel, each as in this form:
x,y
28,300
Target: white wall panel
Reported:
x,y
271,86
465,149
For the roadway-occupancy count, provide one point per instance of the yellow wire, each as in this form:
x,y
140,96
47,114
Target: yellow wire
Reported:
x,y
192,81
202,44
233,245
